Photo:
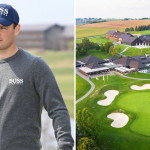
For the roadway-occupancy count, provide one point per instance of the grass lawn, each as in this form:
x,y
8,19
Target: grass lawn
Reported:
x,y
96,39
139,75
138,103
97,53
82,87
132,51
135,131
120,47
61,63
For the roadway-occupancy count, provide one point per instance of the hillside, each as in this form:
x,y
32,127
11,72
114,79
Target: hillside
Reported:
x,y
118,24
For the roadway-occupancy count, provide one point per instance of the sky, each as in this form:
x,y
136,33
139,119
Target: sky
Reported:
x,y
44,11
112,8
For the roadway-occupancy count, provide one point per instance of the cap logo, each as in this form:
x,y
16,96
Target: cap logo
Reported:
x,y
3,11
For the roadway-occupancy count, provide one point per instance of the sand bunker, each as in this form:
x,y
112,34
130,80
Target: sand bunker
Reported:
x,y
111,94
143,87
120,119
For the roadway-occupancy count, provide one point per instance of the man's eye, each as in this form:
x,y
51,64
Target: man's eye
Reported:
x,y
3,27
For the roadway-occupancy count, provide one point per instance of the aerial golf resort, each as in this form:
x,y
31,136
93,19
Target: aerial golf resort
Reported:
x,y
119,85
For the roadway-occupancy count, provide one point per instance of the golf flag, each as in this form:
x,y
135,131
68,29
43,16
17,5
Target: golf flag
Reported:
x,y
103,77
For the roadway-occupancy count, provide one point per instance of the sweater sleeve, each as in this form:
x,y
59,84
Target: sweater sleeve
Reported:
x,y
53,102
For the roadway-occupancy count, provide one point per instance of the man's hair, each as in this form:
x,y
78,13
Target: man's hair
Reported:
x,y
14,25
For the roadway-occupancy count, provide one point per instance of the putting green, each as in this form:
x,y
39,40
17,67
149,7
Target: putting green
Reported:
x,y
137,102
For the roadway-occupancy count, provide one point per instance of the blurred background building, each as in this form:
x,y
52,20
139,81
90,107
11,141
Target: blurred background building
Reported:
x,y
50,37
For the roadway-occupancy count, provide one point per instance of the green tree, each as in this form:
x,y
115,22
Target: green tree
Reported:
x,y
131,29
102,47
97,47
127,29
107,46
85,127
86,44
113,50
87,144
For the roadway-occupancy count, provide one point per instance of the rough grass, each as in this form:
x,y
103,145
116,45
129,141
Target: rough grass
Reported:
x,y
120,47
96,39
109,137
82,87
61,63
146,32
132,51
97,53
139,75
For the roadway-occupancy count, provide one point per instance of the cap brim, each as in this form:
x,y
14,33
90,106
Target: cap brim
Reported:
x,y
5,22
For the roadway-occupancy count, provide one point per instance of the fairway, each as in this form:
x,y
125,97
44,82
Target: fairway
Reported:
x,y
137,102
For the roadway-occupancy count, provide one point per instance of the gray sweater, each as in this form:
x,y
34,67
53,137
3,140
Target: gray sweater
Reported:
x,y
26,85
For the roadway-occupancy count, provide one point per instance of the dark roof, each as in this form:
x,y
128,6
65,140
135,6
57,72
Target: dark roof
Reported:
x,y
144,37
95,65
91,59
129,39
110,32
136,64
77,63
142,59
130,62
112,58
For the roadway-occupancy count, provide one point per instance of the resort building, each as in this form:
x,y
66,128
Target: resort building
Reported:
x,y
92,65
123,38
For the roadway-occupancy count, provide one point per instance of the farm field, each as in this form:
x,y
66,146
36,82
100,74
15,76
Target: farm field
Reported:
x,y
82,87
118,24
61,63
103,27
128,101
91,31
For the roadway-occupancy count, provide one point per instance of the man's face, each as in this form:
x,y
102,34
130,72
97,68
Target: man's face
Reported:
x,y
7,36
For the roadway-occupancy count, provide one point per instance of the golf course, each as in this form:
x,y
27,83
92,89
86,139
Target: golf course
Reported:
x,y
131,100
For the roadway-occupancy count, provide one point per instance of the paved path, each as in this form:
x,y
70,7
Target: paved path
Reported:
x,y
93,86
87,79
125,49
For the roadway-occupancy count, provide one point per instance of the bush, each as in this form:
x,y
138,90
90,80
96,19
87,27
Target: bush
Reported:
x,y
87,144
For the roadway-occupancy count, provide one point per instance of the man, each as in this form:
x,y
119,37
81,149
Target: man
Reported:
x,y
26,85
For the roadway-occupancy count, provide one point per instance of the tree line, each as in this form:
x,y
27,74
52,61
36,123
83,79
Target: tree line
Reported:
x,y
138,28
86,44
86,131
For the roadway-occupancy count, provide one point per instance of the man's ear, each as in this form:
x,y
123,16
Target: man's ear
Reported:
x,y
17,29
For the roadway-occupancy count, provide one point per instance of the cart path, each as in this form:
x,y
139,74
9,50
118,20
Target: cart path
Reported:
x,y
92,86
